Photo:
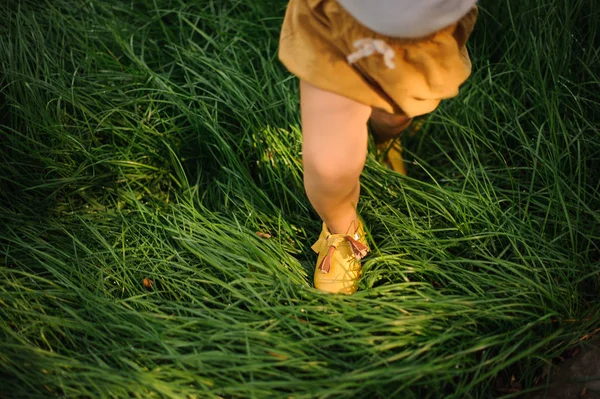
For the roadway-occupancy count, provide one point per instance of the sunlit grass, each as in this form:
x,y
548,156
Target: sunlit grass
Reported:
x,y
144,144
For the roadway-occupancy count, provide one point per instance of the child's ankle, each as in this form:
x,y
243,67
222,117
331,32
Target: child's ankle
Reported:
x,y
344,227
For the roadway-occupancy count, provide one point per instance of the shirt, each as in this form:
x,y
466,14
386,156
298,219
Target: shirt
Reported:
x,y
407,18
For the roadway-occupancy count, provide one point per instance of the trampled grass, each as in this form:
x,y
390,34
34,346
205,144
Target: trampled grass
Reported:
x,y
153,139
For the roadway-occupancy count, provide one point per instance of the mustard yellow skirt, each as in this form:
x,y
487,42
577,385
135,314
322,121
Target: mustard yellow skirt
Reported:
x,y
323,44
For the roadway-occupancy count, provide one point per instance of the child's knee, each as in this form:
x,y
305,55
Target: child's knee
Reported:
x,y
322,172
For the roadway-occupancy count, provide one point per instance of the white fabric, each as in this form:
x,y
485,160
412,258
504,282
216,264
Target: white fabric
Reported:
x,y
407,18
367,47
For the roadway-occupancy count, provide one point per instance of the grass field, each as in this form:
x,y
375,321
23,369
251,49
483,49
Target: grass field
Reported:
x,y
144,144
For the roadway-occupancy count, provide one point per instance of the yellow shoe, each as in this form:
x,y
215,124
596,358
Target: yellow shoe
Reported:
x,y
338,264
390,152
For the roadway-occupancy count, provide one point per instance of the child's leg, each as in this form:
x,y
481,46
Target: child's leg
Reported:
x,y
386,126
334,149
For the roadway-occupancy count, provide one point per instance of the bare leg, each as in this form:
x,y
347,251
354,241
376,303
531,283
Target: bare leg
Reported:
x,y
334,149
387,126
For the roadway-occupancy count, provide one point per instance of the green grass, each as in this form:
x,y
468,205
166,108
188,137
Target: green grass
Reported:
x,y
153,139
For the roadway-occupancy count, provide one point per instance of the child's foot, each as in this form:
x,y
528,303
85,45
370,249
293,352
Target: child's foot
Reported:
x,y
338,264
390,153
